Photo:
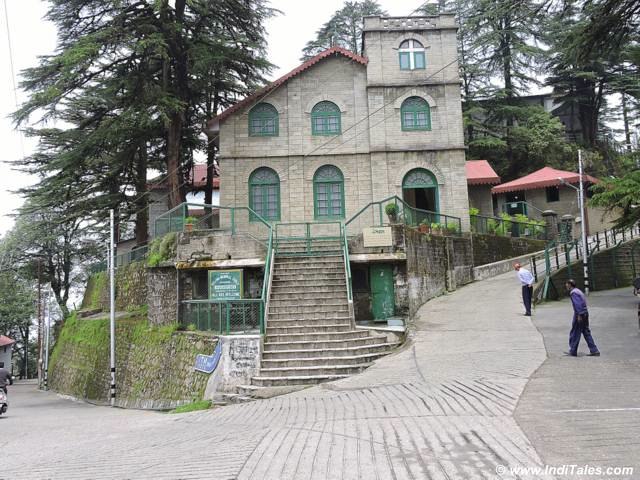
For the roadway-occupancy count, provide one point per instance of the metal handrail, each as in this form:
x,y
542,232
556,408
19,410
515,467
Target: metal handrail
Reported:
x,y
502,224
347,266
418,211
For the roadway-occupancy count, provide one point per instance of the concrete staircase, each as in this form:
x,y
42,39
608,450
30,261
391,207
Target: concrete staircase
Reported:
x,y
310,335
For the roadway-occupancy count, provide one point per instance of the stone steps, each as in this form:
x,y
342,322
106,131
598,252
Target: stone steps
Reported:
x,y
331,327
381,346
307,371
321,361
294,321
319,344
315,308
315,336
310,336
264,381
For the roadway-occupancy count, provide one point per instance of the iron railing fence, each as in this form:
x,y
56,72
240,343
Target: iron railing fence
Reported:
x,y
376,215
508,227
225,317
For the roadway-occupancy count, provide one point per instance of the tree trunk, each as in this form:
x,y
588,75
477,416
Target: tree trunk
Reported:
x,y
174,141
625,119
142,203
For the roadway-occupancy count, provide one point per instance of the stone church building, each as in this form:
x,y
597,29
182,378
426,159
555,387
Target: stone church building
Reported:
x,y
343,130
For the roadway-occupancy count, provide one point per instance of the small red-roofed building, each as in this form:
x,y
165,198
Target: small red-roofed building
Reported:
x,y
547,189
480,179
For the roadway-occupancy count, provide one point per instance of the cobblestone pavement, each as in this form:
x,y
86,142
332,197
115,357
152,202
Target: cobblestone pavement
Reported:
x,y
442,408
586,410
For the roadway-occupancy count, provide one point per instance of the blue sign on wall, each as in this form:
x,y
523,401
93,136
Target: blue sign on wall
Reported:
x,y
208,363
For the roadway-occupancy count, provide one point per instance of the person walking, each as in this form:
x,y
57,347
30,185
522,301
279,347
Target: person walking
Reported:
x,y
580,325
527,280
5,378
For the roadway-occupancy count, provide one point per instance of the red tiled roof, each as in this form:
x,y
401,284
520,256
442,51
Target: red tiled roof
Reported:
x,y
4,341
285,78
199,173
479,172
200,177
545,177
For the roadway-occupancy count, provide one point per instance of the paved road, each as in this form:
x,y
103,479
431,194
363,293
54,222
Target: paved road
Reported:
x,y
586,410
441,408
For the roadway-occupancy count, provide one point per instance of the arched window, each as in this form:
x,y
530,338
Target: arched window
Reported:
x,y
263,121
415,114
328,193
325,119
264,193
412,55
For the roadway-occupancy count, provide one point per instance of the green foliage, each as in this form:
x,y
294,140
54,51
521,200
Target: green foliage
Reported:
x,y
344,28
473,211
391,209
191,220
17,300
492,226
453,227
162,249
619,195
193,406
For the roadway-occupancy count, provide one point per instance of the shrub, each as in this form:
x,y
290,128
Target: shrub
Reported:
x,y
162,249
474,211
453,227
391,209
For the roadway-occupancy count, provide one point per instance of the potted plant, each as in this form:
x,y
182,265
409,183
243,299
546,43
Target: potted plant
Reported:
x,y
189,222
435,228
452,228
423,227
391,209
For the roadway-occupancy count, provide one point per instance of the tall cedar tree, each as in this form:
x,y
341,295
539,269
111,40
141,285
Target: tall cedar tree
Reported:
x,y
149,61
344,29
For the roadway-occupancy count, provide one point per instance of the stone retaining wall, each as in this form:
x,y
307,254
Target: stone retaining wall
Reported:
x,y
154,366
494,248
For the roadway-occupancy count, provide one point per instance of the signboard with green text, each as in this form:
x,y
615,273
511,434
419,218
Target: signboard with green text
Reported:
x,y
225,284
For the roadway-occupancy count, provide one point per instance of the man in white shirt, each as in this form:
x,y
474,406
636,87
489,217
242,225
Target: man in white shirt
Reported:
x,y
527,280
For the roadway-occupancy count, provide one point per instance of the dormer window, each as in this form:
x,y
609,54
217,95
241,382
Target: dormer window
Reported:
x,y
412,56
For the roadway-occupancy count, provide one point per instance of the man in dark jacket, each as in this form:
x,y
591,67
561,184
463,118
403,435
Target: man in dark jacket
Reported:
x,y
5,377
580,325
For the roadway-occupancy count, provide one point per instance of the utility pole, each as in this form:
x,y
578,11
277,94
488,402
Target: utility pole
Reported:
x,y
48,332
583,225
112,309
40,324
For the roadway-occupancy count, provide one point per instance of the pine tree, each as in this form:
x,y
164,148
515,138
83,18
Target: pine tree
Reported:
x,y
344,28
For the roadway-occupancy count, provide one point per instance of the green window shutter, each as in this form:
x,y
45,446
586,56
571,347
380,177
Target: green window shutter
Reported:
x,y
264,194
326,119
415,114
263,121
405,62
419,60
328,193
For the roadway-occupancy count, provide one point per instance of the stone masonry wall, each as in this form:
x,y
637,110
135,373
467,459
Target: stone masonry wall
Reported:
x,y
162,295
154,367
435,264
611,268
131,289
494,248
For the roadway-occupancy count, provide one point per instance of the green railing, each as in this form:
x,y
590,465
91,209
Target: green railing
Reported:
x,y
410,216
135,255
223,317
347,266
308,238
508,227
188,217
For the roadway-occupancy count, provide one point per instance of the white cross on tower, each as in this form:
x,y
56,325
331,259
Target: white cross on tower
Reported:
x,y
411,47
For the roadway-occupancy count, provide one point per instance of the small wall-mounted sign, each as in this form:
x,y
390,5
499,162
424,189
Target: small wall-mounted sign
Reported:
x,y
208,363
377,237
225,284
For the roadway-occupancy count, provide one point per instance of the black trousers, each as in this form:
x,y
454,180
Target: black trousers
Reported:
x,y
527,295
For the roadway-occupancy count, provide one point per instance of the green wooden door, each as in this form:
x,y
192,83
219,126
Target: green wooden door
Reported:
x,y
382,292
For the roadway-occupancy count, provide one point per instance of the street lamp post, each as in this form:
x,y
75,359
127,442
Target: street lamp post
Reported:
x,y
583,223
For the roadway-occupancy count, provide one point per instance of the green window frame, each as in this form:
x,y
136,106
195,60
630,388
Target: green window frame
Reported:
x,y
420,178
326,119
264,194
411,55
263,121
415,114
328,193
